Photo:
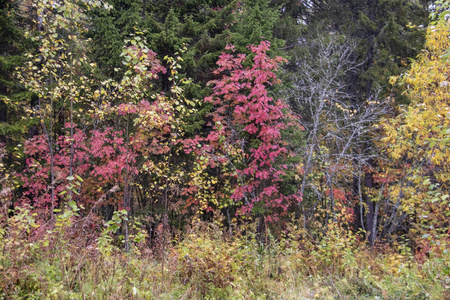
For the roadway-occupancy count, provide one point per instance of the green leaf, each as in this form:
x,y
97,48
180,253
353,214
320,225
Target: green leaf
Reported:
x,y
114,228
73,205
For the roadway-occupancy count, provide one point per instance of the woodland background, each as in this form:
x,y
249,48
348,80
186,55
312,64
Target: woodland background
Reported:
x,y
224,149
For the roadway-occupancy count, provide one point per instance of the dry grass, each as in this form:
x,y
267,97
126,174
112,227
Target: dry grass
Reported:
x,y
208,264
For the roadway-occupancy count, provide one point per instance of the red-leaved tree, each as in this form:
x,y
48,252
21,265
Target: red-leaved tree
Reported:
x,y
246,140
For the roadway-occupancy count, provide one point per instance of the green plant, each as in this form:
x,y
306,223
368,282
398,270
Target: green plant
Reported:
x,y
208,261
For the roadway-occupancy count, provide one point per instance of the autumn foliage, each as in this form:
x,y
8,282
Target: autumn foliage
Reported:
x,y
417,142
126,178
246,131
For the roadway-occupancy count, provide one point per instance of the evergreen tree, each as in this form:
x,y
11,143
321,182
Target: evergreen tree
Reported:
x,y
389,33
255,23
7,38
113,24
291,24
107,42
12,46
205,27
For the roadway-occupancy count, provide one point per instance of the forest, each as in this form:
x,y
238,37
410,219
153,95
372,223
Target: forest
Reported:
x,y
224,149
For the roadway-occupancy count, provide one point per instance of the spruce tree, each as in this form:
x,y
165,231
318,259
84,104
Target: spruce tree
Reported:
x,y
112,25
389,33
12,46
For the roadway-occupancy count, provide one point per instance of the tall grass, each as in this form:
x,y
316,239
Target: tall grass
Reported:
x,y
61,261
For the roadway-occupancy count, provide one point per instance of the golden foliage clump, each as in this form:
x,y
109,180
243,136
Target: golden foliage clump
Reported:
x,y
417,141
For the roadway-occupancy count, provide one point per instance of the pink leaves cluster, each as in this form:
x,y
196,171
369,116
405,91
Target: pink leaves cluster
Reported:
x,y
247,115
105,158
99,158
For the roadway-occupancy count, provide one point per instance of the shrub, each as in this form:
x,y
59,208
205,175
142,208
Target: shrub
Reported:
x,y
207,260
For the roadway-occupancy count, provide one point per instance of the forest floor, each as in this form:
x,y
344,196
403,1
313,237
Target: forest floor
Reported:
x,y
207,263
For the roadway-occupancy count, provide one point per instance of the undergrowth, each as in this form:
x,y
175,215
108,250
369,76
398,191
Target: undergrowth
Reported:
x,y
60,260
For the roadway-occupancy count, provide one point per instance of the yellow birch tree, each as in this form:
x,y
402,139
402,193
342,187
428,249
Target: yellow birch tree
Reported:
x,y
417,142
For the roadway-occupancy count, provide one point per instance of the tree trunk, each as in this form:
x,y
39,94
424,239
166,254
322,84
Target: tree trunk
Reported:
x,y
372,211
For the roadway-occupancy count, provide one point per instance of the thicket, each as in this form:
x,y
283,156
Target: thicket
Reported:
x,y
224,149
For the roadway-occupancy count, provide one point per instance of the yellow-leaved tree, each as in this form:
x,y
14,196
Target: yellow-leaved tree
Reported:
x,y
417,144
